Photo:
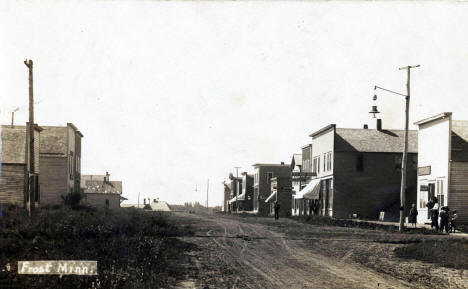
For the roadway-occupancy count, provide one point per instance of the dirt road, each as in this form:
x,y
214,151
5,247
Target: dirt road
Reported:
x,y
235,252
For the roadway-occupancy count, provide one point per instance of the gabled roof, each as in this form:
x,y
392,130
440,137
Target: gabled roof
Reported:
x,y
96,184
372,140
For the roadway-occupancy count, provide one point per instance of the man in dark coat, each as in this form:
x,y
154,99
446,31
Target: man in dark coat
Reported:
x,y
435,217
413,215
444,221
277,208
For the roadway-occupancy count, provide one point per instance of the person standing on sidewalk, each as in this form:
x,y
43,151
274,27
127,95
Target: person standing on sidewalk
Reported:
x,y
444,219
277,208
453,221
435,217
413,215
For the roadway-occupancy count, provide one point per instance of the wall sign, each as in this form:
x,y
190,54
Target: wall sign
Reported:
x,y
424,188
423,171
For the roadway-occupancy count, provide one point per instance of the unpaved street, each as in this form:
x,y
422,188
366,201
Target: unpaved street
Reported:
x,y
249,252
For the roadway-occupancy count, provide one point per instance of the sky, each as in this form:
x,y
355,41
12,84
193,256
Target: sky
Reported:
x,y
171,94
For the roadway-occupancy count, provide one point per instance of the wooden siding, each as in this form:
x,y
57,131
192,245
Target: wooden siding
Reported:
x,y
458,190
375,188
99,200
12,184
53,179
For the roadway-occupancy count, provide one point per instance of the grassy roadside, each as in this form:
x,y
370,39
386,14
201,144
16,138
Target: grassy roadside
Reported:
x,y
134,249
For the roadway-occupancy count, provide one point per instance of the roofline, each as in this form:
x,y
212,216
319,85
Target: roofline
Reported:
x,y
271,165
324,129
75,128
434,118
306,146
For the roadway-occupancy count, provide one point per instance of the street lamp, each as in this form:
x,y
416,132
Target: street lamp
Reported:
x,y
405,150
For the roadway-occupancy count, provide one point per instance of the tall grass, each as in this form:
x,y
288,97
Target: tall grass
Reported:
x,y
134,249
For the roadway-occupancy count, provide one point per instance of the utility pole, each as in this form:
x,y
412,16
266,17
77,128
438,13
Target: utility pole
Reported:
x,y
237,187
207,189
31,197
405,152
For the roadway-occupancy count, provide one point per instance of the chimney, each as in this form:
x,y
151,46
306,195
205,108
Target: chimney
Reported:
x,y
366,126
379,124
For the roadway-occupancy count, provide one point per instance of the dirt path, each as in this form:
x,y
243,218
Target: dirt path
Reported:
x,y
239,253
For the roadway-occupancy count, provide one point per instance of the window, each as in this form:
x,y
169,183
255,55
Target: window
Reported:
x,y
440,192
318,164
325,162
269,176
70,165
360,163
329,161
423,198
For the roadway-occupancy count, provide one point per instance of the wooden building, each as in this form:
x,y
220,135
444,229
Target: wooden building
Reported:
x,y
15,164
281,192
358,171
262,184
443,165
60,158
226,196
235,185
100,191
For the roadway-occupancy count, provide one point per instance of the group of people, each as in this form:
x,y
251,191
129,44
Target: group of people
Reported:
x,y
448,218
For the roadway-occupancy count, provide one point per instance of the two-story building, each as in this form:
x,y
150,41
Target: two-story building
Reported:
x,y
60,159
443,165
281,192
358,171
100,191
236,191
263,173
15,170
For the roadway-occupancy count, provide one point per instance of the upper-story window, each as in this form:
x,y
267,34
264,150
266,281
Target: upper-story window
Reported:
x,y
329,161
269,176
70,165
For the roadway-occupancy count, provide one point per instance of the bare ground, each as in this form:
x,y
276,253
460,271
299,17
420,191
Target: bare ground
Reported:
x,y
251,252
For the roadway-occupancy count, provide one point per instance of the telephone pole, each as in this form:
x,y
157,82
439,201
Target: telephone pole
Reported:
x,y
31,197
207,189
237,187
405,151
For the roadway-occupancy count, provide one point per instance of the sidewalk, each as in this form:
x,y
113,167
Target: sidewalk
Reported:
x,y
409,225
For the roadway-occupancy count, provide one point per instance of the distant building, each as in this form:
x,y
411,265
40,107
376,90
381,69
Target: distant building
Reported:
x,y
15,164
60,162
157,205
281,192
227,196
246,197
236,191
100,191
262,184
443,165
358,171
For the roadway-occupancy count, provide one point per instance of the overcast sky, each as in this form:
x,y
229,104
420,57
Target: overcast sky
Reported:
x,y
170,94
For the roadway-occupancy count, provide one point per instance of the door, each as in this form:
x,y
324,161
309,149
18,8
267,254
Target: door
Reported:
x,y
430,196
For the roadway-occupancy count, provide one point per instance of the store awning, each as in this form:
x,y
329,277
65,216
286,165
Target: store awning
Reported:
x,y
240,197
271,198
311,191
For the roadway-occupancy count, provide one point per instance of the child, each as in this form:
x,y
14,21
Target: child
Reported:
x,y
453,221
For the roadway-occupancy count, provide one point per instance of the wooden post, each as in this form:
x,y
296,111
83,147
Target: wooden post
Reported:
x,y
405,153
207,189
31,197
